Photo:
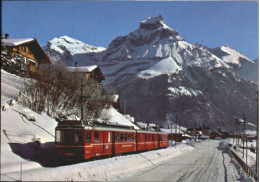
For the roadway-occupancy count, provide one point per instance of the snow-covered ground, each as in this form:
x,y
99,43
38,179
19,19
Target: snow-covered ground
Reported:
x,y
210,160
251,156
10,86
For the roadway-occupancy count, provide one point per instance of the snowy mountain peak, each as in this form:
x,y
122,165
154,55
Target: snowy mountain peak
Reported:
x,y
233,55
65,43
152,23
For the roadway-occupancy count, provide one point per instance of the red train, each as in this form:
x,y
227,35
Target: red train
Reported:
x,y
75,141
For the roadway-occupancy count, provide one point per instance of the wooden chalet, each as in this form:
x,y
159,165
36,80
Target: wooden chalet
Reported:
x,y
87,72
29,48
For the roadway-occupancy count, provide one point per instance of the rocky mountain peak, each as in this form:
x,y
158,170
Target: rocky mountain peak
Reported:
x,y
151,23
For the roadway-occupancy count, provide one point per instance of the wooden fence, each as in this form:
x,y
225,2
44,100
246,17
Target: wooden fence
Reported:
x,y
245,167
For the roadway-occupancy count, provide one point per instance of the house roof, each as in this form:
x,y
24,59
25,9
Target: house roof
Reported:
x,y
15,42
82,69
87,69
33,45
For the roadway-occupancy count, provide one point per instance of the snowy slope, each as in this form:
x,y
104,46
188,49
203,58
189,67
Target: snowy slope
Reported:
x,y
10,86
165,66
233,57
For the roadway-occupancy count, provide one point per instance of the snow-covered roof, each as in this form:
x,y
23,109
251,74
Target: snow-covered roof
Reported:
x,y
83,69
15,42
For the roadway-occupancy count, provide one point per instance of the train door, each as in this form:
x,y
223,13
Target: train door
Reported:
x,y
136,141
113,142
158,140
98,143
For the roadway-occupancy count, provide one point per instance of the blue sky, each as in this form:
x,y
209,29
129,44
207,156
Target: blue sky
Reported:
x,y
212,24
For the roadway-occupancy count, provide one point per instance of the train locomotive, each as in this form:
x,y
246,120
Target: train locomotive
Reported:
x,y
75,141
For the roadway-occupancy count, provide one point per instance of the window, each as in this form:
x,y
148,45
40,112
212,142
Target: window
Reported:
x,y
88,137
141,137
117,137
109,137
58,136
121,137
133,137
96,137
129,138
77,137
125,137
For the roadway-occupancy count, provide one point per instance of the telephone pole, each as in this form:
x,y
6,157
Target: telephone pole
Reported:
x,y
176,122
195,130
257,134
243,136
81,102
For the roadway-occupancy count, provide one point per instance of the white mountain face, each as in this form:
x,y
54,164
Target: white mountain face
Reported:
x,y
243,66
65,48
157,73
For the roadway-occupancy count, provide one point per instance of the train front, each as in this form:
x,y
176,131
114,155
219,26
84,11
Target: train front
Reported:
x,y
69,141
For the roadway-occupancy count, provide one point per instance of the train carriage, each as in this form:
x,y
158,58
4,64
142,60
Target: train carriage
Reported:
x,y
75,141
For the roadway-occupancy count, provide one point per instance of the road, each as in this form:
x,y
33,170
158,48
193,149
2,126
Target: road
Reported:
x,y
209,161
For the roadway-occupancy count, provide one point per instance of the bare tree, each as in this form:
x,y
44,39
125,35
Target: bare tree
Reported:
x,y
57,92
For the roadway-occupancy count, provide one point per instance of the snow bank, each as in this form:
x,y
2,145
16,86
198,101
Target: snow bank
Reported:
x,y
10,86
115,169
165,66
22,139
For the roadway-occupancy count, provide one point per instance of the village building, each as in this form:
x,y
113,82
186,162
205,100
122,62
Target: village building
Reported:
x,y
87,72
29,48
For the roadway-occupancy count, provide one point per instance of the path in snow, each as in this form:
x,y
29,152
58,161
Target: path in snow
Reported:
x,y
209,161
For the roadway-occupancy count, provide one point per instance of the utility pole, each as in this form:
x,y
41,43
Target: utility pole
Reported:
x,y
171,127
257,134
176,122
244,128
124,106
195,130
245,137
81,101
237,127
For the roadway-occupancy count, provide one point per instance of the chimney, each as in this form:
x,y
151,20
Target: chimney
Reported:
x,y
6,36
76,64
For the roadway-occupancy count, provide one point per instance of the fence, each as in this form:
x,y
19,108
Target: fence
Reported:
x,y
245,167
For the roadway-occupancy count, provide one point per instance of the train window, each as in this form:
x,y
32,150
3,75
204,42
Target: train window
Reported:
x,y
133,137
77,137
88,137
96,137
117,137
125,137
141,137
129,137
109,137
121,137
59,136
